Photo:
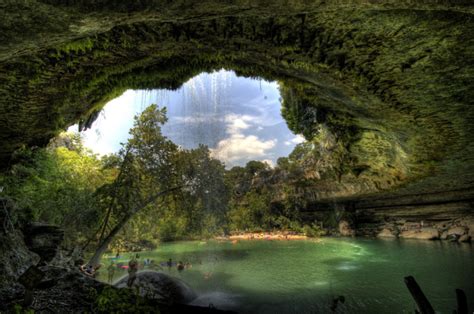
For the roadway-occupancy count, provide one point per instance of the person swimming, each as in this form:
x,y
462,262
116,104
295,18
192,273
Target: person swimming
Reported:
x,y
180,266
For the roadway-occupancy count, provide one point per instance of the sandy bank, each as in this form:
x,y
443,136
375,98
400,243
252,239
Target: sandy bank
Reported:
x,y
263,236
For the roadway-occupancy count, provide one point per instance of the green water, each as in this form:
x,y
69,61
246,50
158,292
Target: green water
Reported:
x,y
304,276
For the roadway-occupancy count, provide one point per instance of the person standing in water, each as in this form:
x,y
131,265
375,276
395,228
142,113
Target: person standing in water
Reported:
x,y
111,272
132,271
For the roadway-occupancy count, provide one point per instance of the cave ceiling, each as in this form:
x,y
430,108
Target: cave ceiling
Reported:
x,y
392,81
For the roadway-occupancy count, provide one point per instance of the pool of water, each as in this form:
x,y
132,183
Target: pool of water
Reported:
x,y
305,276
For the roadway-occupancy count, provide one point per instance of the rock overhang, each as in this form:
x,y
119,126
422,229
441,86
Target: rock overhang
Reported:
x,y
391,81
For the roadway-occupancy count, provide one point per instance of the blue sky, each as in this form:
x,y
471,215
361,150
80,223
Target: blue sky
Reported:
x,y
238,118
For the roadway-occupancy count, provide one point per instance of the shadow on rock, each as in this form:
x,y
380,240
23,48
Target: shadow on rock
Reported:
x,y
160,286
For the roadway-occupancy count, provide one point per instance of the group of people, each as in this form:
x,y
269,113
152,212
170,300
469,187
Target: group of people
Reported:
x,y
132,268
180,266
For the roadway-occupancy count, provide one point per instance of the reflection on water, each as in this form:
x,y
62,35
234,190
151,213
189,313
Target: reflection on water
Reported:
x,y
218,299
304,276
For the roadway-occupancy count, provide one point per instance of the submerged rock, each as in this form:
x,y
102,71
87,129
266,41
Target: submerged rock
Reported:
x,y
159,285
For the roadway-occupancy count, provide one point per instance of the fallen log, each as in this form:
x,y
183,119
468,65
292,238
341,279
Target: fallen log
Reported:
x,y
422,302
462,302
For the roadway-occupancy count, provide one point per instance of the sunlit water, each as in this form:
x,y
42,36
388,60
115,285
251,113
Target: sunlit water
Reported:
x,y
304,276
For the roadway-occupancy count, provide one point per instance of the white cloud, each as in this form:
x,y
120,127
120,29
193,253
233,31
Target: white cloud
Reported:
x,y
295,141
240,115
269,162
237,123
298,139
239,148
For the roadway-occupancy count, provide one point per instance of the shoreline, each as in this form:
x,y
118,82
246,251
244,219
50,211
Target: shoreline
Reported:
x,y
280,236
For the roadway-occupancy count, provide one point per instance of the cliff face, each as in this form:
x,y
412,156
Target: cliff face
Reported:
x,y
434,216
438,214
390,83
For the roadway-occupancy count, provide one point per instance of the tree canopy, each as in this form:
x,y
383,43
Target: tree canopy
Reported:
x,y
153,190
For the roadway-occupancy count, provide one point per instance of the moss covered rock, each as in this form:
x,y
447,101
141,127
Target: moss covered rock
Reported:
x,y
390,82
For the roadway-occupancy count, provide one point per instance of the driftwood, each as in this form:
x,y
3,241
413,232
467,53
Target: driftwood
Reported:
x,y
424,306
422,302
462,302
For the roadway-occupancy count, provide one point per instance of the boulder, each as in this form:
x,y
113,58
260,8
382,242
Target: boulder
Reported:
x,y
386,233
345,229
15,259
408,234
453,238
470,228
459,231
421,234
158,285
68,258
43,240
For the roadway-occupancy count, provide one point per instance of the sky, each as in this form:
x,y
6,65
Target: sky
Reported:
x,y
237,118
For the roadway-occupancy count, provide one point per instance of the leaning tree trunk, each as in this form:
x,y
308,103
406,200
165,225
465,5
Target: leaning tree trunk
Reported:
x,y
104,244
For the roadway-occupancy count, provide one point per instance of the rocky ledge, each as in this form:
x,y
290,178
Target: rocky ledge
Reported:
x,y
385,87
30,263
455,231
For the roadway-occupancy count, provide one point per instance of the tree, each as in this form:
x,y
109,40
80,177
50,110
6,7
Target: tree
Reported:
x,y
189,183
56,185
147,173
206,187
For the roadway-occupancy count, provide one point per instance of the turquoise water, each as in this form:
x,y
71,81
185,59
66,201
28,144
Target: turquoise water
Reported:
x,y
304,276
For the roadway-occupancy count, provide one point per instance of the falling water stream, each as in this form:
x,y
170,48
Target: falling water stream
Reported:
x,y
237,118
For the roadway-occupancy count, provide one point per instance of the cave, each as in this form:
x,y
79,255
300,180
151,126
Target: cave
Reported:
x,y
385,87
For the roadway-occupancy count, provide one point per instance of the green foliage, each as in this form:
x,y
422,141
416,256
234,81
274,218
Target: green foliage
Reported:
x,y
341,66
67,185
57,185
313,230
113,300
18,309
301,115
250,213
149,164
